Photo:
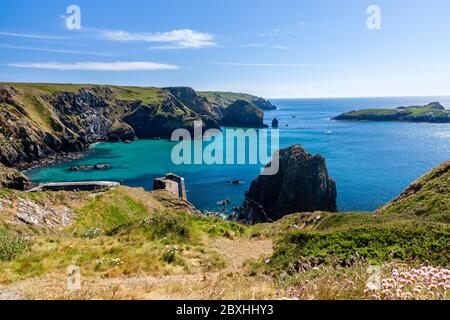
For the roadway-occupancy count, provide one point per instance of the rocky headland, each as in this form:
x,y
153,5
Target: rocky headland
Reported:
x,y
242,113
39,122
433,112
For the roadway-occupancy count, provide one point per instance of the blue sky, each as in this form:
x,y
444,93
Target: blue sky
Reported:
x,y
272,48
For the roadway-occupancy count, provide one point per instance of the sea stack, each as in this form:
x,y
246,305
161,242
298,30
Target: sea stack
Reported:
x,y
275,123
301,184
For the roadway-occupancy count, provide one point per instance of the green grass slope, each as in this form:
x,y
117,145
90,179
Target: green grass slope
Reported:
x,y
428,196
432,112
127,232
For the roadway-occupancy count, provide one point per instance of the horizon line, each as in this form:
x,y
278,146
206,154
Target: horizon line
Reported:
x,y
239,91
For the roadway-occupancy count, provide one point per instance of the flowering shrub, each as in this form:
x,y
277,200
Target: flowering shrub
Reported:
x,y
169,253
424,283
92,233
107,261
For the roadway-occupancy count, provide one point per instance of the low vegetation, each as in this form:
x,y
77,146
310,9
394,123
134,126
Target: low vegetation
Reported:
x,y
427,197
11,245
432,112
129,243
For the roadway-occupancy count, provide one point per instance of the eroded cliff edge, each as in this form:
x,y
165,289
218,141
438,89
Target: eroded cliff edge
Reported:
x,y
40,121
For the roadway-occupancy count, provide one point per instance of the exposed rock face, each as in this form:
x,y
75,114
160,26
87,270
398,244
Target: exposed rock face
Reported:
x,y
210,114
43,121
243,114
13,179
275,123
43,216
221,100
302,184
263,104
149,121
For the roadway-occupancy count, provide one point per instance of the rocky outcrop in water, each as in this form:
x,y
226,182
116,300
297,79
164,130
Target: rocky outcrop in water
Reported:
x,y
86,167
302,184
275,123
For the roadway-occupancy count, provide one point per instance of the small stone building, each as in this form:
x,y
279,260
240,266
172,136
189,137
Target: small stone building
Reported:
x,y
171,183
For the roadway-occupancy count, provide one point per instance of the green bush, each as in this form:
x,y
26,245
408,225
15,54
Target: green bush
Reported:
x,y
11,246
168,256
378,243
169,225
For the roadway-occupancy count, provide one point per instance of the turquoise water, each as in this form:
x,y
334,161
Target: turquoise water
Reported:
x,y
371,162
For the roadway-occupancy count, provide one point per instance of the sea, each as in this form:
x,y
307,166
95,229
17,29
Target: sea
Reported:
x,y
371,162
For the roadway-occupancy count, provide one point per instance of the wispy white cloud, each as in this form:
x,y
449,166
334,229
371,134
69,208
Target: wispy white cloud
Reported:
x,y
286,65
261,45
281,47
176,39
275,32
31,36
58,50
279,32
98,66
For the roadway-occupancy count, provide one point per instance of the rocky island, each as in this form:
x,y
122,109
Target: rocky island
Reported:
x,y
433,113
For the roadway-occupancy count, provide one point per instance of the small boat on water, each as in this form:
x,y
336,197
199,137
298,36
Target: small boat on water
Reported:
x,y
329,132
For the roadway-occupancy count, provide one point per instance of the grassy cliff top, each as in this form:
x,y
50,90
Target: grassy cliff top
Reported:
x,y
149,95
155,245
428,196
226,98
144,94
432,112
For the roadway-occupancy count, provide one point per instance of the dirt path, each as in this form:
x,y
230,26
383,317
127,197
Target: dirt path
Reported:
x,y
232,282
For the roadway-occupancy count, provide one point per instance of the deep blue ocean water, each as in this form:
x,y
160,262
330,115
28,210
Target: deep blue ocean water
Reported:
x,y
372,162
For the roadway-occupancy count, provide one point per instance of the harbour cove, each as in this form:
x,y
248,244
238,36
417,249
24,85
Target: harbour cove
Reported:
x,y
371,162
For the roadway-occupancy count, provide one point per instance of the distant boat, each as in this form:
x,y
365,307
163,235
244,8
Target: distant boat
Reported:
x,y
329,132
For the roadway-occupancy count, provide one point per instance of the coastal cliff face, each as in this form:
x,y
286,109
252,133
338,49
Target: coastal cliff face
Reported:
x,y
40,121
302,184
433,112
243,114
220,99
